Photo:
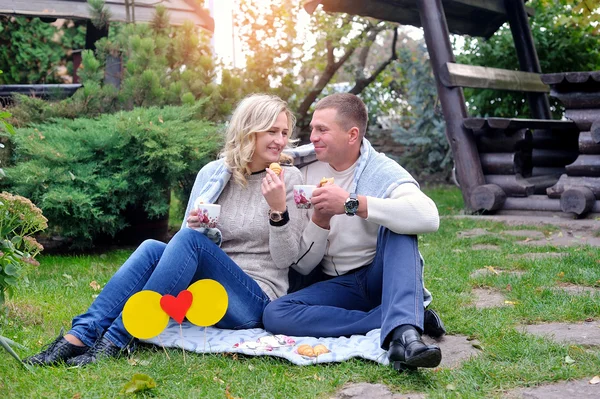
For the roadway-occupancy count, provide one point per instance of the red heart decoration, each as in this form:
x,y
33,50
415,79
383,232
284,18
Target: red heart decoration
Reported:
x,y
177,307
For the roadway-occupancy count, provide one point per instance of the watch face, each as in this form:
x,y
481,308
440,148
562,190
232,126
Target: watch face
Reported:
x,y
275,216
351,206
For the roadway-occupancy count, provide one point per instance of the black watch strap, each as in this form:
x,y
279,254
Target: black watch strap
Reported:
x,y
285,217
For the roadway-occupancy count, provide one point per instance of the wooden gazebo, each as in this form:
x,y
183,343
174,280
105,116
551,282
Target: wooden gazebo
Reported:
x,y
504,164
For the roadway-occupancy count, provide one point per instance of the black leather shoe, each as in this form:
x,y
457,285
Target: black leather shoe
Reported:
x,y
57,351
433,325
407,351
103,348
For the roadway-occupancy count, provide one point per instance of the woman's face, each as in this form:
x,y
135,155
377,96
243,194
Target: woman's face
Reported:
x,y
269,144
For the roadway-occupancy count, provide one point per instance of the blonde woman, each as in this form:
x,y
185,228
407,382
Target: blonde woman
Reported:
x,y
259,232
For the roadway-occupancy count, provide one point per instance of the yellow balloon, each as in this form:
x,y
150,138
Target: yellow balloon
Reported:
x,y
209,304
142,315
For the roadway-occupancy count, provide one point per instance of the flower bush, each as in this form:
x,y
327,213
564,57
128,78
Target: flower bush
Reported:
x,y
19,220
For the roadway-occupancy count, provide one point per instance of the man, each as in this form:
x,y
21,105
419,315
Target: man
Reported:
x,y
362,233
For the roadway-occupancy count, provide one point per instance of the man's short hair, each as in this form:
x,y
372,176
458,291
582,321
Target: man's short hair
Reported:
x,y
351,111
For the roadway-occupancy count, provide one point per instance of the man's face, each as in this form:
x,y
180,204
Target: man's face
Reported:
x,y
330,139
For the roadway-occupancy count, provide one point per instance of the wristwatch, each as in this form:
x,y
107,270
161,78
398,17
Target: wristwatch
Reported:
x,y
277,218
351,205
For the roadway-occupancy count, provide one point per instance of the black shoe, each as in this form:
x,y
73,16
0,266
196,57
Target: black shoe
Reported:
x,y
57,351
407,351
433,325
103,348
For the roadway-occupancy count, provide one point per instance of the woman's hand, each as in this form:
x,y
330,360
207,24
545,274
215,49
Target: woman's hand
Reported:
x,y
273,189
193,221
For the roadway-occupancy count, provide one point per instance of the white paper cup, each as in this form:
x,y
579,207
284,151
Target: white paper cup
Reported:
x,y
303,194
208,214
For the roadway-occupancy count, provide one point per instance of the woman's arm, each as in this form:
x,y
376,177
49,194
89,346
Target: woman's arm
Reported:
x,y
284,241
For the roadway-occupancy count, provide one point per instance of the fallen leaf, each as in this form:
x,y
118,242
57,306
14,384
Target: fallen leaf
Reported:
x,y
250,367
491,268
451,387
316,377
560,234
511,302
229,395
561,274
67,276
137,362
76,396
217,379
589,319
508,287
595,380
477,346
95,286
139,383
569,360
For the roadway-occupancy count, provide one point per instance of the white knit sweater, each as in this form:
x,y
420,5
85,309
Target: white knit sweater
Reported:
x,y
263,251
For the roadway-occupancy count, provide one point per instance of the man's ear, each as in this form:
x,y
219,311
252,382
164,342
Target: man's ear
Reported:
x,y
353,135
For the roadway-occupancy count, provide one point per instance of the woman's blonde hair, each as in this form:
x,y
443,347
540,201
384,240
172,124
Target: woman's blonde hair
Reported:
x,y
255,113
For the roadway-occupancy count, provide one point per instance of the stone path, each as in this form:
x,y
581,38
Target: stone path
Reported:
x,y
456,349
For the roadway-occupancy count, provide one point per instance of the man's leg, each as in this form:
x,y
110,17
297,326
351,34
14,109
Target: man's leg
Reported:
x,y
396,274
332,308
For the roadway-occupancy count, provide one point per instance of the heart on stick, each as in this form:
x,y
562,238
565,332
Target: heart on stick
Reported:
x,y
177,307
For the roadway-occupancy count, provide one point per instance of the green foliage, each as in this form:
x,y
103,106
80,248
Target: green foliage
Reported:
x,y
32,50
20,219
163,65
85,173
559,48
139,383
422,131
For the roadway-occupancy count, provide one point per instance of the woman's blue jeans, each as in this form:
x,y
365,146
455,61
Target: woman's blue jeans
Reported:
x,y
385,294
169,269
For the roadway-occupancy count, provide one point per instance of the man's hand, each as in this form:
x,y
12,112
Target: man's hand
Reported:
x,y
329,200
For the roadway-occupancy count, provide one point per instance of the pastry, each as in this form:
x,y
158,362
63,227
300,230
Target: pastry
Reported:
x,y
306,350
276,168
325,180
320,349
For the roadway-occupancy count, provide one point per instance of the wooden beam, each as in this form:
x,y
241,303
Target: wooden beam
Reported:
x,y
459,75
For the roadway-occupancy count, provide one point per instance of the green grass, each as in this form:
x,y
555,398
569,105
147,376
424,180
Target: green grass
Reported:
x,y
60,289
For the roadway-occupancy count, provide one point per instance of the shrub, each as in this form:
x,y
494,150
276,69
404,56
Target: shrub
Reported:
x,y
19,220
85,173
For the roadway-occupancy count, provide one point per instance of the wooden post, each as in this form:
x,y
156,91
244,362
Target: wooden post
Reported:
x,y
488,197
528,59
577,200
462,142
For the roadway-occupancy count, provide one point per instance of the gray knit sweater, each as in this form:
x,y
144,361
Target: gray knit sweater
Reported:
x,y
263,251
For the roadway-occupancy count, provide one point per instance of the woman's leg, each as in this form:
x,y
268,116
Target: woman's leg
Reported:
x,y
189,257
128,280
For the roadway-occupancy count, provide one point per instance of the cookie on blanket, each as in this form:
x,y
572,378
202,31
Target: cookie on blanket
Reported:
x,y
306,350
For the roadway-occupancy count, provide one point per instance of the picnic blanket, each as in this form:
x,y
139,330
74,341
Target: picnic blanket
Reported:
x,y
258,342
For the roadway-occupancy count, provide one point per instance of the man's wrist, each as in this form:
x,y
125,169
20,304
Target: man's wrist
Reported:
x,y
322,222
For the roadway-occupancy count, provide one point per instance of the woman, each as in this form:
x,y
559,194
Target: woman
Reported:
x,y
259,240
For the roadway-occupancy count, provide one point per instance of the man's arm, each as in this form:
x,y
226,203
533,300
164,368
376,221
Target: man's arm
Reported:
x,y
407,211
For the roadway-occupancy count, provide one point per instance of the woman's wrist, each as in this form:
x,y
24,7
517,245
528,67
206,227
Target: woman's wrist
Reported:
x,y
278,218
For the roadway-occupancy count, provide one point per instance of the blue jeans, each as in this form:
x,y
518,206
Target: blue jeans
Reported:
x,y
169,269
385,294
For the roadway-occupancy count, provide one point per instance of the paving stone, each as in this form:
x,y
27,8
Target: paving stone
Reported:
x,y
455,349
586,333
577,289
525,233
485,247
567,238
487,272
579,389
472,233
488,298
372,391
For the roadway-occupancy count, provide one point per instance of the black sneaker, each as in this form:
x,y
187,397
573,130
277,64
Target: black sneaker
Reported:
x,y
103,348
433,325
59,350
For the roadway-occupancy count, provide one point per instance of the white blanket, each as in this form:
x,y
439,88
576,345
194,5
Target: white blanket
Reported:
x,y
257,342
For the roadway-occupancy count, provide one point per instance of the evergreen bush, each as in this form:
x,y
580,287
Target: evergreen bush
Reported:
x,y
85,173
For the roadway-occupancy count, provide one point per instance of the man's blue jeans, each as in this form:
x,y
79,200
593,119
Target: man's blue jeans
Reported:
x,y
169,269
385,294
